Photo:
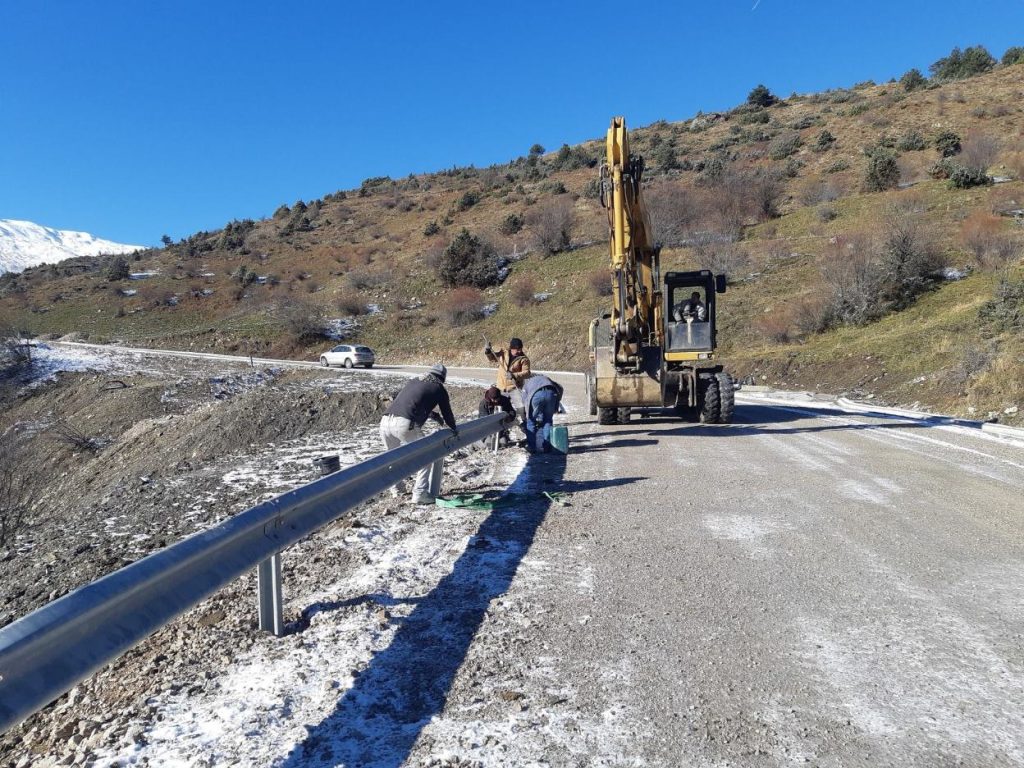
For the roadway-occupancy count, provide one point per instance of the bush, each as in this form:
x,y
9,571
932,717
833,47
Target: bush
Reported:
x,y
364,279
913,80
552,224
960,64
1005,311
827,213
838,166
670,208
664,157
118,269
523,291
979,152
463,306
775,326
962,177
468,261
824,142
807,121
756,117
536,150
909,258
600,282
511,224
1013,55
948,144
431,229
468,199
785,145
350,303
765,189
883,172
760,96
722,258
911,141
852,281
570,158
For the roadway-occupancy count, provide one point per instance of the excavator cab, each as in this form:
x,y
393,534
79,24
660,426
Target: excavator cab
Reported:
x,y
690,313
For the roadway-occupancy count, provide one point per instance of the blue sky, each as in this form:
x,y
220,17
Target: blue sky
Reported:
x,y
134,119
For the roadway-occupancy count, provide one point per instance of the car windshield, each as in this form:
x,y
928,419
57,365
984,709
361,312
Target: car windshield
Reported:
x,y
364,350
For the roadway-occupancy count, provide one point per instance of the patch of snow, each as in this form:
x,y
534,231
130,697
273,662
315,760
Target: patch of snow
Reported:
x,y
127,291
374,309
542,296
145,275
25,244
340,328
488,309
952,273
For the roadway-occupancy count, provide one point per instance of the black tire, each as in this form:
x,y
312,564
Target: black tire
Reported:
x,y
624,414
348,362
324,363
592,394
726,398
707,399
369,365
607,415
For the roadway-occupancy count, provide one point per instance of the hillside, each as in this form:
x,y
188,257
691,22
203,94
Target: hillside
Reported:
x,y
852,267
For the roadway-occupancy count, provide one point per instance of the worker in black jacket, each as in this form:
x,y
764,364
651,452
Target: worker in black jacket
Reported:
x,y
404,419
494,401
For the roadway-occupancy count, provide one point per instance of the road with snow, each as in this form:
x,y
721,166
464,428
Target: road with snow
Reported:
x,y
805,586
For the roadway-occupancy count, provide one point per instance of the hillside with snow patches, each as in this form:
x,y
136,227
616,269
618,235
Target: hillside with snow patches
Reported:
x,y
25,244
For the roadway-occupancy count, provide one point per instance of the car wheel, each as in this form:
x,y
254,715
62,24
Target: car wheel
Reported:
x,y
348,362
324,363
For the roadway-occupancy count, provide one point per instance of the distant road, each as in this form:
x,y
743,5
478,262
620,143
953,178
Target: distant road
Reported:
x,y
804,586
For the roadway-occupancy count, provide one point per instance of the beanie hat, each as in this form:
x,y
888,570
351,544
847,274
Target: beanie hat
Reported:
x,y
439,370
492,394
515,343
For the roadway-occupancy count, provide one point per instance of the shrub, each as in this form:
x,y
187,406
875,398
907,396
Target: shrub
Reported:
x,y
468,199
664,157
807,121
760,96
785,145
827,213
536,150
756,117
979,152
364,279
962,177
523,291
765,189
118,269
838,166
909,258
913,80
511,224
570,158
432,228
883,172
463,306
960,64
350,303
911,141
670,208
775,325
1013,55
852,280
468,261
552,224
304,320
948,144
600,282
1005,311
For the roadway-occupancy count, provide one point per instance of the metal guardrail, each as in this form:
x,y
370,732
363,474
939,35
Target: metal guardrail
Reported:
x,y
47,652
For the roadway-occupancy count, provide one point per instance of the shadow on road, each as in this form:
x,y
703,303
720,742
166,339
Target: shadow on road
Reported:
x,y
379,718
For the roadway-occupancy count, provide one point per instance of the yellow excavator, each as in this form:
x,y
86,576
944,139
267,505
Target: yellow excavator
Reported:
x,y
656,348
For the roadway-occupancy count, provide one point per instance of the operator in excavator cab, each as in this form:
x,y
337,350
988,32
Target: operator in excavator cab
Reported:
x,y
692,309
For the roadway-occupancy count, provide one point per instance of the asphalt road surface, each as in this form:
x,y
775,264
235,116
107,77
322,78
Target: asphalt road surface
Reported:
x,y
804,586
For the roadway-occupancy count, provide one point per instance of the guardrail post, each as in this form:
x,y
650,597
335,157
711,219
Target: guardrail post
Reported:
x,y
268,584
436,473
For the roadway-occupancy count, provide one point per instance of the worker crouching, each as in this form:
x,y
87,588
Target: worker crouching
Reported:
x,y
542,397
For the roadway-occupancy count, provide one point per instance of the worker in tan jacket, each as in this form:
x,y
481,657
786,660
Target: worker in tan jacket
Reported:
x,y
513,365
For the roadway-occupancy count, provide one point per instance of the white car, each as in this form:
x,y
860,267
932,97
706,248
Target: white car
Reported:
x,y
348,355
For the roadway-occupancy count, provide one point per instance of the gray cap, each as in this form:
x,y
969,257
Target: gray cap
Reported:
x,y
439,370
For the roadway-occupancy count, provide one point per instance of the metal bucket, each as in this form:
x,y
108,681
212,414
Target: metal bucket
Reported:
x,y
327,464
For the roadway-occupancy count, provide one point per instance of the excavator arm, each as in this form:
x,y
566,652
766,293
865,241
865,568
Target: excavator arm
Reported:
x,y
636,317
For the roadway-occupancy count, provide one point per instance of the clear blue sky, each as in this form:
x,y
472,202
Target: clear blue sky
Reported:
x,y
133,119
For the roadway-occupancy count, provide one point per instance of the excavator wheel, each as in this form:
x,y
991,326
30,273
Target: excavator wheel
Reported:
x,y
607,415
624,414
708,401
726,398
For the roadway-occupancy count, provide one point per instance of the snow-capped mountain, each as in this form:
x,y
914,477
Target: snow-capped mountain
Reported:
x,y
24,244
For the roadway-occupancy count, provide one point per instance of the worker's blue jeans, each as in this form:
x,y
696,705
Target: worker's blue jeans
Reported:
x,y
543,405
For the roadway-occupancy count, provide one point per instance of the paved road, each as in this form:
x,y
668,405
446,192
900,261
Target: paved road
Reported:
x,y
804,586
